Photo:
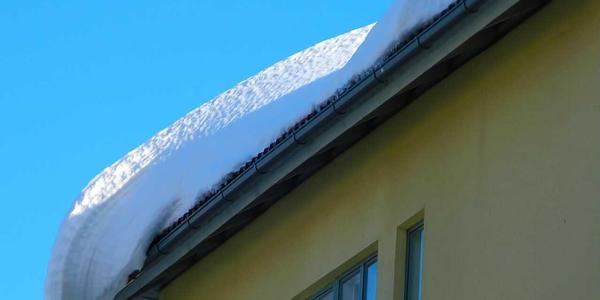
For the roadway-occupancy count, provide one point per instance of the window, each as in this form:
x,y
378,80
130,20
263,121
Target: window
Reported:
x,y
360,283
414,263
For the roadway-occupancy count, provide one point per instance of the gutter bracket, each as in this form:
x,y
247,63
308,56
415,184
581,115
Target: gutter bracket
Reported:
x,y
223,196
257,169
338,112
380,80
296,140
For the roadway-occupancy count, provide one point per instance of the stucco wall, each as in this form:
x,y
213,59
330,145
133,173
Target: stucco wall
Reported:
x,y
502,158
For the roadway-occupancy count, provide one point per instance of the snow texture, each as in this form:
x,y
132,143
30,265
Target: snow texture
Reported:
x,y
105,236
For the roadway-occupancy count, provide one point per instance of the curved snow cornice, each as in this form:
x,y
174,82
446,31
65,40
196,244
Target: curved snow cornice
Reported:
x,y
106,234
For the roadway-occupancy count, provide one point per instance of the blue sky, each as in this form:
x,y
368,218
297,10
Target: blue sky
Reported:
x,y
82,83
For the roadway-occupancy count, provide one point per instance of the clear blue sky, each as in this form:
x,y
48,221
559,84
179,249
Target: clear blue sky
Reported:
x,y
82,83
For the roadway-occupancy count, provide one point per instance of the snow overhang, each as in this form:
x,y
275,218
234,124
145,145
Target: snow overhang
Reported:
x,y
468,28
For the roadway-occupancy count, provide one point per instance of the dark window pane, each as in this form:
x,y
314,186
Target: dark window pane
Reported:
x,y
326,296
371,292
414,272
351,287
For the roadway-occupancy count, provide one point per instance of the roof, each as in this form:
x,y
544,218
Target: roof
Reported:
x,y
257,163
411,67
112,223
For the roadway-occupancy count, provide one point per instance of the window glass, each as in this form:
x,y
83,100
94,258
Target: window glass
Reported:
x,y
351,287
371,290
360,283
414,263
326,296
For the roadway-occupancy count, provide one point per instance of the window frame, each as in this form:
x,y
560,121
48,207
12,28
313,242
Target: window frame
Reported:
x,y
336,285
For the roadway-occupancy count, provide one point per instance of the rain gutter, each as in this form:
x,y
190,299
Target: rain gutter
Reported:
x,y
461,33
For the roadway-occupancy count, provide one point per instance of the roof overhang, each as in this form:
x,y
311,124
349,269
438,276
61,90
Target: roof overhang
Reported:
x,y
457,36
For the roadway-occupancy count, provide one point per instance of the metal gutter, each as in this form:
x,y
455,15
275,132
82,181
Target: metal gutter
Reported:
x,y
461,33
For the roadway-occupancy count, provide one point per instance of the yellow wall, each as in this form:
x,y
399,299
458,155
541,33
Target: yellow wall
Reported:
x,y
502,157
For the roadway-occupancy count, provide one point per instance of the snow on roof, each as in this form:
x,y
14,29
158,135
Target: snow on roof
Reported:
x,y
105,236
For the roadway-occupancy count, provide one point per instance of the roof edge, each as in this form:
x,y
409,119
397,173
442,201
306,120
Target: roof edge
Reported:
x,y
461,33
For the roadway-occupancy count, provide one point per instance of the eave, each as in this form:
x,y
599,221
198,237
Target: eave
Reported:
x,y
460,34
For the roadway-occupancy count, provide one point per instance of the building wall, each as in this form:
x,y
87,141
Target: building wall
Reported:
x,y
502,161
